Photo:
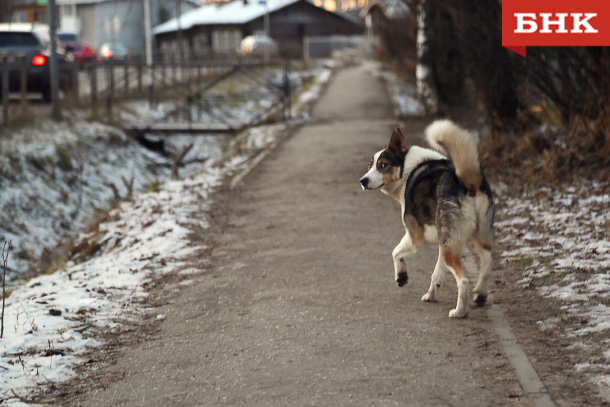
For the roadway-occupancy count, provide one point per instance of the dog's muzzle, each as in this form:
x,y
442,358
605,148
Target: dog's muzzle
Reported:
x,y
364,182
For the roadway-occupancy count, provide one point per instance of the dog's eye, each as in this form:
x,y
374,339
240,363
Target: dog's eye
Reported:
x,y
382,165
370,164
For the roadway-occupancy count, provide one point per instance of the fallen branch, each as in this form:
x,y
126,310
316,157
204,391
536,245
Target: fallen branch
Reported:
x,y
184,163
22,399
115,190
177,162
128,186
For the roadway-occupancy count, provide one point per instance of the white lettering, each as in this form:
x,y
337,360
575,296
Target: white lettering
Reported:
x,y
522,22
560,22
578,23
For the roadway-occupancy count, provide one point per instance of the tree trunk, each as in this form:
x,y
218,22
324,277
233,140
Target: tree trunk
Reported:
x,y
423,75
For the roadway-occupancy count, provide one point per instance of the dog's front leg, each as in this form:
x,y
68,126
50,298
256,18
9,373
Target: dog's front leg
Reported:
x,y
405,248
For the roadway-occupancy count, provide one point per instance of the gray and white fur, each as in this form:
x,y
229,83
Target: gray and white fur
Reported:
x,y
443,194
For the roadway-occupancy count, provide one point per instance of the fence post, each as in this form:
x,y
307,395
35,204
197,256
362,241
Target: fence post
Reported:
x,y
306,49
139,78
93,77
24,82
151,86
126,76
110,90
287,91
74,82
163,66
5,73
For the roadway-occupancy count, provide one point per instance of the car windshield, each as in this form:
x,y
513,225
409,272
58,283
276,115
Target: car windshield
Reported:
x,y
16,39
66,37
117,48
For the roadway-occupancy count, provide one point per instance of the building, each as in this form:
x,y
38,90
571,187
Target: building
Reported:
x,y
349,6
219,28
24,11
101,21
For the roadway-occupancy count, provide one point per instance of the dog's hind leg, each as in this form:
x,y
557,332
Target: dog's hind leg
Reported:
x,y
481,289
436,280
407,247
452,260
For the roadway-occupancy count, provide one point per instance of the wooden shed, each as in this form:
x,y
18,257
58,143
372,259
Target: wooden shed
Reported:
x,y
218,29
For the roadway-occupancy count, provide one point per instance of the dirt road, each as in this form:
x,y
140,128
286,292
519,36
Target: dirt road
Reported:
x,y
299,306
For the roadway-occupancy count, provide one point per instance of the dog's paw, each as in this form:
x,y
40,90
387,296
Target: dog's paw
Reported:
x,y
455,314
428,297
479,299
402,278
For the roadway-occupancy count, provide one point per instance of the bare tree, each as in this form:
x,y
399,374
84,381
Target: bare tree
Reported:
x,y
462,41
5,251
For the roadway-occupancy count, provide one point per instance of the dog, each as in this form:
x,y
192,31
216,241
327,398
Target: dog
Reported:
x,y
444,197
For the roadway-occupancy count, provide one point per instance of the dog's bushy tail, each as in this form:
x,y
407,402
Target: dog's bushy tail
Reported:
x,y
461,146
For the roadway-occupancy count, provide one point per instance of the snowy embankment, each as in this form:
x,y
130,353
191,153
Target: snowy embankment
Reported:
x,y
55,176
53,319
403,94
559,238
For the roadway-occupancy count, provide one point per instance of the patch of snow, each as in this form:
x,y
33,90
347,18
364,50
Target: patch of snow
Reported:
x,y
403,94
548,324
561,234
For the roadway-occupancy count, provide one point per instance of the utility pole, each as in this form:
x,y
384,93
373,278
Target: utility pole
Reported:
x,y
147,34
266,23
148,49
179,32
56,112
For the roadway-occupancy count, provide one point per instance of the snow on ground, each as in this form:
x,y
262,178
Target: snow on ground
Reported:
x,y
52,320
560,237
54,175
403,94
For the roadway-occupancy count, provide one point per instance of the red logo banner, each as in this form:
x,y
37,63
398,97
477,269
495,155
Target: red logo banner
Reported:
x,y
554,23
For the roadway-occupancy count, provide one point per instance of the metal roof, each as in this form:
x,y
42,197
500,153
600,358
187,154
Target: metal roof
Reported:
x,y
235,12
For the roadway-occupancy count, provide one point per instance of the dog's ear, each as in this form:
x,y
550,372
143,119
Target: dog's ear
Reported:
x,y
397,143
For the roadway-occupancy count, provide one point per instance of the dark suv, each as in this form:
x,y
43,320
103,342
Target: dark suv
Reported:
x,y
32,41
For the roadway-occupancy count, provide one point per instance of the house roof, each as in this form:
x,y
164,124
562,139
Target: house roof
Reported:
x,y
70,2
235,12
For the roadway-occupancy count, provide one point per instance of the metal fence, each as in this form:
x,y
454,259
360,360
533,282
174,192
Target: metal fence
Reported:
x,y
100,85
327,47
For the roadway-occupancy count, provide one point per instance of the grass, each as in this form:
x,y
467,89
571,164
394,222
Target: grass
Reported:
x,y
153,187
64,160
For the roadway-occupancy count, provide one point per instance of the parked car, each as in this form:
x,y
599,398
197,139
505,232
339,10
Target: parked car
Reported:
x,y
81,52
256,45
113,50
32,41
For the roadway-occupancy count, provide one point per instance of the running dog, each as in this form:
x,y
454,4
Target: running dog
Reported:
x,y
444,197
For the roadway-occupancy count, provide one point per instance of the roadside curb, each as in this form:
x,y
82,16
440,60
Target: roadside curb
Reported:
x,y
529,379
260,157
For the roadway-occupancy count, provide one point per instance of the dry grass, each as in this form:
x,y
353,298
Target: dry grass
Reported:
x,y
554,154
